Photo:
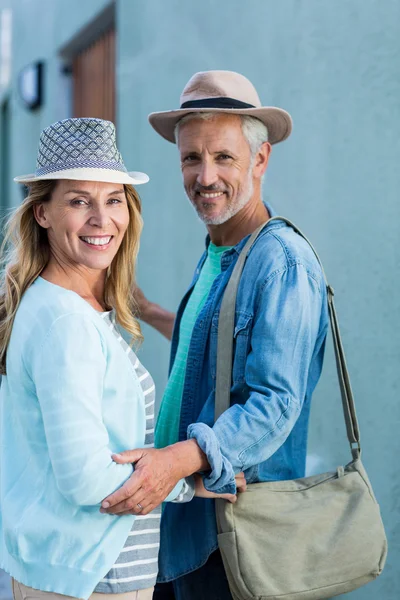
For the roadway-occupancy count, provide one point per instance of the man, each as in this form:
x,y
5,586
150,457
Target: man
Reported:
x,y
224,138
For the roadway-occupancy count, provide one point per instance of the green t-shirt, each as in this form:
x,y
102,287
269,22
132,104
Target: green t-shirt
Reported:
x,y
167,427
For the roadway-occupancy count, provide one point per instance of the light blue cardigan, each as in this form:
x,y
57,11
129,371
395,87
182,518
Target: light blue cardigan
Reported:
x,y
70,399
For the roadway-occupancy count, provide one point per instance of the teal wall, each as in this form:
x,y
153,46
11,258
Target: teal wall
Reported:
x,y
334,66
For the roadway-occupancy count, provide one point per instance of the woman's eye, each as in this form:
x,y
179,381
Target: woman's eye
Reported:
x,y
114,201
78,202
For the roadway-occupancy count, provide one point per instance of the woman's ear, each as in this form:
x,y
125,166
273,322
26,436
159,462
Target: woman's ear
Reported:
x,y
39,211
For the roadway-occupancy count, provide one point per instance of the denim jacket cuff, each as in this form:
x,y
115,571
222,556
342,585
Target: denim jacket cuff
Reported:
x,y
221,478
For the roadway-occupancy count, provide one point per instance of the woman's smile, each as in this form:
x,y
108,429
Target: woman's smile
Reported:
x,y
97,242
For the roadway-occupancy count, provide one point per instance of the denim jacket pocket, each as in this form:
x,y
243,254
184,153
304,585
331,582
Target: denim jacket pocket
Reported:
x,y
241,345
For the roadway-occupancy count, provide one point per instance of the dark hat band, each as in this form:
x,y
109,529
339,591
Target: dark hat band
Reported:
x,y
222,102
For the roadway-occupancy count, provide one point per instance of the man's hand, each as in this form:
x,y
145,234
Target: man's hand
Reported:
x,y
154,477
156,474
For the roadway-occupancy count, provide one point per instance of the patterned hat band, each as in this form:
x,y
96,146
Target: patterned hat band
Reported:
x,y
81,164
82,149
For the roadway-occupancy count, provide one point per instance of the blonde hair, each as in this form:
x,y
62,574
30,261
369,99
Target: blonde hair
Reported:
x,y
25,252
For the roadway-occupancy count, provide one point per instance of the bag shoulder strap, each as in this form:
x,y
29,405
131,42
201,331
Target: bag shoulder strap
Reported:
x,y
226,326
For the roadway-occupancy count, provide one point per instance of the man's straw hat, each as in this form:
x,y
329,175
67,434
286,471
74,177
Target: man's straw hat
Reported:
x,y
223,92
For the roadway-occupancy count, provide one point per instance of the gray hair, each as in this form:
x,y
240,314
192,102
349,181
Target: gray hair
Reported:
x,y
254,130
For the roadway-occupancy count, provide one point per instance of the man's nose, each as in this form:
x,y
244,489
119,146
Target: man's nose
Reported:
x,y
207,174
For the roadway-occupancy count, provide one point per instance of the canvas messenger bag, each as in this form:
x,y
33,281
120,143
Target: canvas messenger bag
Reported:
x,y
303,539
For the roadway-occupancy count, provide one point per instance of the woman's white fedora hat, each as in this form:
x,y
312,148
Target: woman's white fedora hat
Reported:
x,y
223,92
84,149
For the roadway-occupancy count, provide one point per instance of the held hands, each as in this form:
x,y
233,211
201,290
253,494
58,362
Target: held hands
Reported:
x,y
201,492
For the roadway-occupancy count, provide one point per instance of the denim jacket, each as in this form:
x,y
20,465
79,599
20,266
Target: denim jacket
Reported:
x,y
280,329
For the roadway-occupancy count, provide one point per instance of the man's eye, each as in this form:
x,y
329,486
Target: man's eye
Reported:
x,y
190,158
224,157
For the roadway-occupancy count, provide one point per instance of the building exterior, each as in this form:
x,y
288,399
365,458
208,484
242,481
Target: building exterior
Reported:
x,y
334,67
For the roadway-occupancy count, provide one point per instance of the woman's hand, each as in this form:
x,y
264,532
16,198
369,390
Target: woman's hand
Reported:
x,y
241,484
201,492
142,303
153,314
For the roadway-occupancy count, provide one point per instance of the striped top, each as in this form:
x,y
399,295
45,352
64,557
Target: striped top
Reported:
x,y
167,430
136,567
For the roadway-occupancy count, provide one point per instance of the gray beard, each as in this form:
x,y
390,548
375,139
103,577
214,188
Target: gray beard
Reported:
x,y
231,210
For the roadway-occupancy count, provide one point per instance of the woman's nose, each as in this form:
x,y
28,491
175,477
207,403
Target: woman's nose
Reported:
x,y
99,218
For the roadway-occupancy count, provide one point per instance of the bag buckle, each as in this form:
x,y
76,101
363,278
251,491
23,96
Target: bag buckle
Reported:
x,y
340,472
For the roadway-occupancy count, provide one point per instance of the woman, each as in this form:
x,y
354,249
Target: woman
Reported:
x,y
74,392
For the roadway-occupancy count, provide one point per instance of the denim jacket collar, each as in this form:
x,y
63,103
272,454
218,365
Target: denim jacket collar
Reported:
x,y
229,255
